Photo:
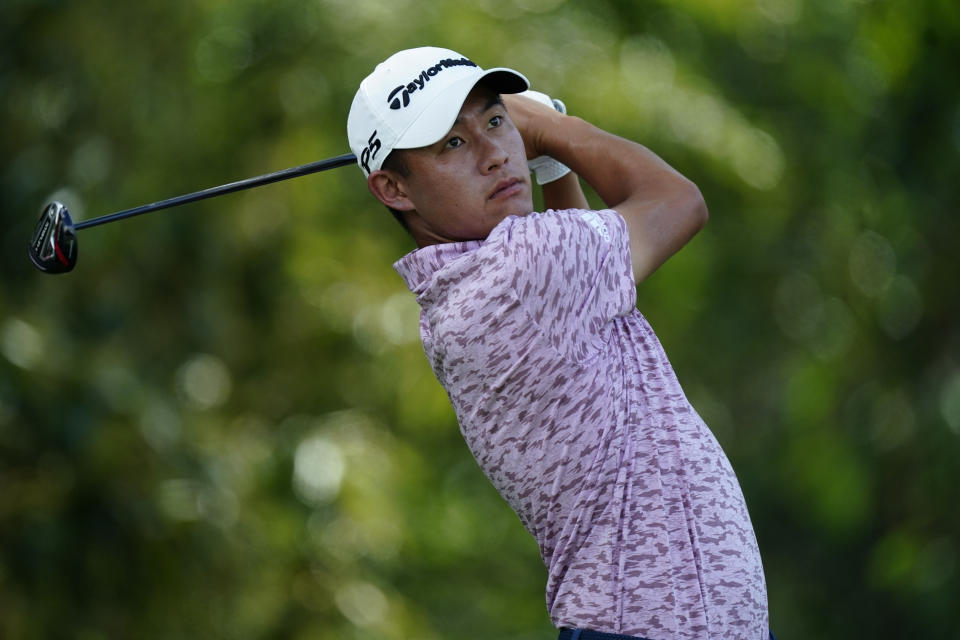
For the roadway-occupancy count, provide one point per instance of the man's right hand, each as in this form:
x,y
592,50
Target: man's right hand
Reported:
x,y
564,192
529,116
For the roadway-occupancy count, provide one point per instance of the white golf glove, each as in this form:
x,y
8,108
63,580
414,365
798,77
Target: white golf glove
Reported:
x,y
545,168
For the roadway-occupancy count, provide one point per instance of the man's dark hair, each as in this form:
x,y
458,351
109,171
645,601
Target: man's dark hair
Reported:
x,y
396,161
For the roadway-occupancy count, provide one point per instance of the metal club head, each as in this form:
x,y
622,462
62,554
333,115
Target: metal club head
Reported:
x,y
53,246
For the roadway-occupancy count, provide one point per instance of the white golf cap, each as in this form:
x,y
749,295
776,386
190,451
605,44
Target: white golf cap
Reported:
x,y
412,99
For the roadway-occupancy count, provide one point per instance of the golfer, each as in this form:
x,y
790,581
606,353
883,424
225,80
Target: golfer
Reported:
x,y
561,389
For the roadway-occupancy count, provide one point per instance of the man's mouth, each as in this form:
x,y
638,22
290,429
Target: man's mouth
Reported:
x,y
506,188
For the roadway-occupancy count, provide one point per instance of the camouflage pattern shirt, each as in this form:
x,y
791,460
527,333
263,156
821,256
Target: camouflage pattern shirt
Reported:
x,y
568,403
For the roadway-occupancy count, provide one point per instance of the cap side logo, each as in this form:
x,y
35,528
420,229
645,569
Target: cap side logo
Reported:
x,y
370,152
405,90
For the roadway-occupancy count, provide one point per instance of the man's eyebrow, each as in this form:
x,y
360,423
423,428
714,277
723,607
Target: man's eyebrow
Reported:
x,y
491,103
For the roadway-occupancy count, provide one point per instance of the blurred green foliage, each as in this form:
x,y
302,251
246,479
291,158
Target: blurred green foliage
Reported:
x,y
222,425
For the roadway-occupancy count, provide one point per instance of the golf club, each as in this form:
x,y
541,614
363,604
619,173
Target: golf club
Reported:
x,y
53,246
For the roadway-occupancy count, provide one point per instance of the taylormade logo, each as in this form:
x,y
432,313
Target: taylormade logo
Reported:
x,y
400,97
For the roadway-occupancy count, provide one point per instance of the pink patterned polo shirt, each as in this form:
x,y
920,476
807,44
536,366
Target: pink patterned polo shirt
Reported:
x,y
569,405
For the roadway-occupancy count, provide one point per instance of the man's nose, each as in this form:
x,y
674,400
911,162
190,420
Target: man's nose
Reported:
x,y
492,155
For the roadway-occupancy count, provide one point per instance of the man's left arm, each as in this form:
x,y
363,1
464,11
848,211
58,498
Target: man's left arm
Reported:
x,y
662,208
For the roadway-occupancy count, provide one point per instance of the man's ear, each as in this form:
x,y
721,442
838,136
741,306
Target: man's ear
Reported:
x,y
386,188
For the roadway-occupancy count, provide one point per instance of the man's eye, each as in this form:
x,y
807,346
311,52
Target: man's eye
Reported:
x,y
496,121
453,143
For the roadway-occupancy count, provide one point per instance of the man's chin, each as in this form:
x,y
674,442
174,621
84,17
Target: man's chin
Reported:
x,y
521,209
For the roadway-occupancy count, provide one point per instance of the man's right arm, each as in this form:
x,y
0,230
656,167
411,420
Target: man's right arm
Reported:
x,y
564,193
662,208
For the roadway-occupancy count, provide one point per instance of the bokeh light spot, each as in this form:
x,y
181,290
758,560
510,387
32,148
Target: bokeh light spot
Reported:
x,y
160,425
318,470
21,343
647,66
900,308
756,157
873,263
362,603
178,499
893,420
91,162
204,381
400,318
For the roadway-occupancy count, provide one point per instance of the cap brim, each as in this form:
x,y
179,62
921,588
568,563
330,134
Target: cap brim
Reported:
x,y
438,118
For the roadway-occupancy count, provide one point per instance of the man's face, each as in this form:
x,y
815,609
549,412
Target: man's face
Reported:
x,y
477,175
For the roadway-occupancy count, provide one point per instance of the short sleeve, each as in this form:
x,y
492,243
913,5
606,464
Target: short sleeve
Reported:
x,y
572,273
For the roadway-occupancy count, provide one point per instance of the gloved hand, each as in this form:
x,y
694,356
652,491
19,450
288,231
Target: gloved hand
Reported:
x,y
545,168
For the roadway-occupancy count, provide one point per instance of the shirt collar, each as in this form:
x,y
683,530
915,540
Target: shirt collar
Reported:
x,y
417,267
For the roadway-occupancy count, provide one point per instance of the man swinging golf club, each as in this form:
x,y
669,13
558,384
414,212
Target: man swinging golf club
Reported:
x,y
561,389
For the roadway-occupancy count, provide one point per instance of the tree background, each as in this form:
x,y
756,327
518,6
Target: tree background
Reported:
x,y
222,424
